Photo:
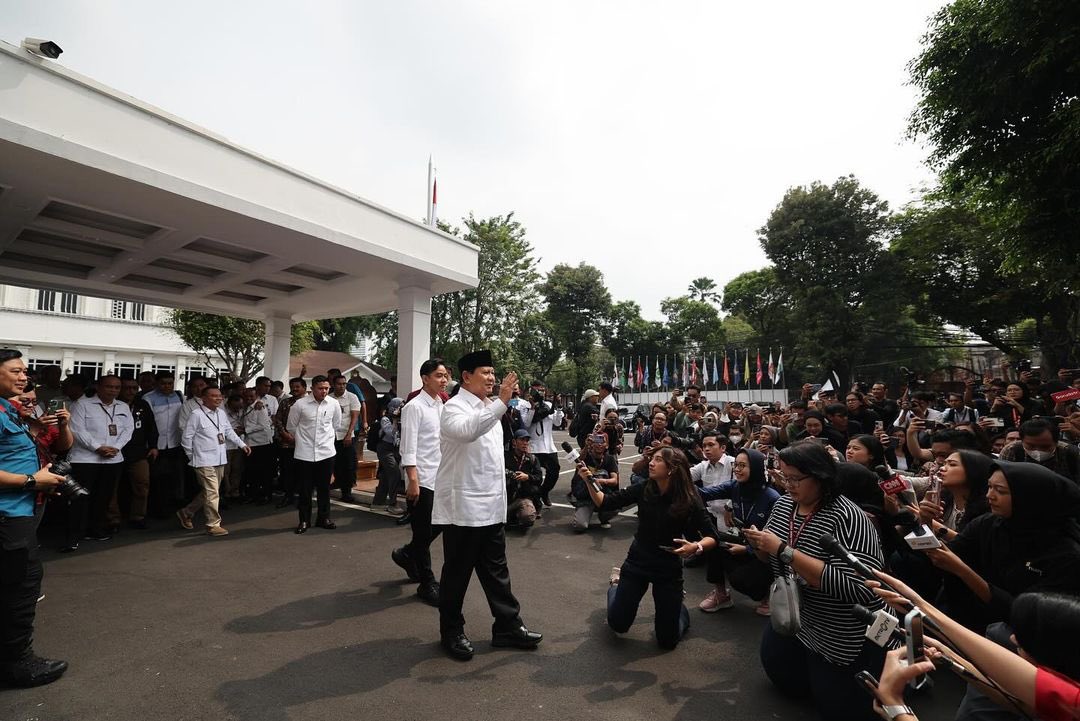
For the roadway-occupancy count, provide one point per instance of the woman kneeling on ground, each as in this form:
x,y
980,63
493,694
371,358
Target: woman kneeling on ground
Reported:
x,y
669,509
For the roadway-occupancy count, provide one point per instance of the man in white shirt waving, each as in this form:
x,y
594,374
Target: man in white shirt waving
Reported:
x,y
205,434
313,422
101,426
420,456
470,504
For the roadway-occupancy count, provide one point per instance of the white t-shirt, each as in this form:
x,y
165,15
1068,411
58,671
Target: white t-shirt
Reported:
x,y
349,403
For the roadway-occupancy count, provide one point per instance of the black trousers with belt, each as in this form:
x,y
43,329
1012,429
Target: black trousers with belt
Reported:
x,y
89,514
308,475
481,549
20,584
423,534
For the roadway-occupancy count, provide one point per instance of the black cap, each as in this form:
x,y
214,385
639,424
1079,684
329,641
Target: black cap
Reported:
x,y
474,360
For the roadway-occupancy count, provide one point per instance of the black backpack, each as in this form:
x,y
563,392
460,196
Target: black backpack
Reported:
x,y
372,442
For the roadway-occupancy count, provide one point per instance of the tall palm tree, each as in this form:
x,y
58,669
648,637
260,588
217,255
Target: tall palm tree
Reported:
x,y
703,289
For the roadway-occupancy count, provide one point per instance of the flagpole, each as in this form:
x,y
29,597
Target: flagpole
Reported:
x,y
427,200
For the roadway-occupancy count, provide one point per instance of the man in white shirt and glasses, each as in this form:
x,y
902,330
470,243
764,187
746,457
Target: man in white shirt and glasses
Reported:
x,y
313,422
420,456
101,426
345,458
205,434
470,505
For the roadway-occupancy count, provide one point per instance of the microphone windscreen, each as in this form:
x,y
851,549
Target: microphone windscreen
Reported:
x,y
566,446
883,472
828,542
862,613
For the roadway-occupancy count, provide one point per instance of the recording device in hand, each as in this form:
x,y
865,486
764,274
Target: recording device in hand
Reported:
x,y
69,487
571,453
55,404
833,546
916,648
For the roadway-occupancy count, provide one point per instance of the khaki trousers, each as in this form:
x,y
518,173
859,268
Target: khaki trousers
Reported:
x,y
209,478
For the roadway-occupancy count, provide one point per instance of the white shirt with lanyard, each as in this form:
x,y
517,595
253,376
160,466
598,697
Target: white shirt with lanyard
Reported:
x,y
95,424
205,435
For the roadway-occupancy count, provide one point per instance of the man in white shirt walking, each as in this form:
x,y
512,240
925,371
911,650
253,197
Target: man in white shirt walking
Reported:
x,y
101,426
205,434
420,456
259,435
344,447
313,422
470,504
607,399
167,470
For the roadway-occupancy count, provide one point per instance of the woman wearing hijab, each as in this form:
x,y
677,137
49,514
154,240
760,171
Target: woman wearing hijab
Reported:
x,y
816,428
750,500
669,509
1029,541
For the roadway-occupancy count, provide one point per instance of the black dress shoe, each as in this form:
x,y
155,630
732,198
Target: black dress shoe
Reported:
x,y
327,524
302,528
404,520
31,670
545,500
519,637
401,557
429,593
458,647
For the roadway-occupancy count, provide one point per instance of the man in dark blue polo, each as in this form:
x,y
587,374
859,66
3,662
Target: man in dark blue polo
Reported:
x,y
21,479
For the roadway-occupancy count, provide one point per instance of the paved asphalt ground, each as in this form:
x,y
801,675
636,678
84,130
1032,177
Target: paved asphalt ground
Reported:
x,y
264,625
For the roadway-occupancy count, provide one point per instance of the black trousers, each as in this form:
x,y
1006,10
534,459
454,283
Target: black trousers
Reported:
x,y
423,534
550,463
308,475
672,619
481,549
167,482
20,584
259,472
744,572
286,481
390,483
89,514
345,467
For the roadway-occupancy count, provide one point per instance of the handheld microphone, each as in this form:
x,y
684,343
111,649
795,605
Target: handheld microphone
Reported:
x,y
571,454
830,544
865,615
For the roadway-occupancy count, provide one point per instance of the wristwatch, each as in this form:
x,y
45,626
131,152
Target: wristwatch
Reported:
x,y
30,483
786,553
893,711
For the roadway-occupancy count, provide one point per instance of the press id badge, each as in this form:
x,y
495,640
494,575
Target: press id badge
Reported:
x,y
112,429
221,439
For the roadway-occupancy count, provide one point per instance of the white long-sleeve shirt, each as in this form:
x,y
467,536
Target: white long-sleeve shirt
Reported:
x,y
314,426
91,423
258,431
421,443
540,438
470,486
201,441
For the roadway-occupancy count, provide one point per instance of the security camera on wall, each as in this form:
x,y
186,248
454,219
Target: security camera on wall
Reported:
x,y
42,48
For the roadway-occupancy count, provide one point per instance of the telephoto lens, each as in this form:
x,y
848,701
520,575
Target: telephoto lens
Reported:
x,y
68,488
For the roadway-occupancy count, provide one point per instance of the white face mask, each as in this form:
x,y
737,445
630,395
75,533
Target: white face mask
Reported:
x,y
735,439
1039,456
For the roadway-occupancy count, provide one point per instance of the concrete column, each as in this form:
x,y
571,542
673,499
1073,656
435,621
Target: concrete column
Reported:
x,y
109,366
147,362
414,336
276,351
181,373
67,363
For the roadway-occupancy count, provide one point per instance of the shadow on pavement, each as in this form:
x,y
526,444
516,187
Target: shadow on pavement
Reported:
x,y
323,610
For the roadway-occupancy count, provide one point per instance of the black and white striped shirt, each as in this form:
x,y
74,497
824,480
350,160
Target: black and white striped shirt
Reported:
x,y
829,627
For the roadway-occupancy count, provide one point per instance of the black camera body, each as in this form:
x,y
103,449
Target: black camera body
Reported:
x,y
1023,365
68,488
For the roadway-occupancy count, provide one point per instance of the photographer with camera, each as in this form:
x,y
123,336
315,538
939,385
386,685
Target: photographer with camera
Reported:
x,y
588,413
523,480
602,466
22,477
539,417
1015,407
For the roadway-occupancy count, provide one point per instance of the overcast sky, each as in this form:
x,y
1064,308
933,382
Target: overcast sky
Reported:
x,y
649,139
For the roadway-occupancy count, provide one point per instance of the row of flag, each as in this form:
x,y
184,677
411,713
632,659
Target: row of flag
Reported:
x,y
728,375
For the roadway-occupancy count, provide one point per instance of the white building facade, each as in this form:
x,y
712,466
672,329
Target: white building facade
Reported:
x,y
91,336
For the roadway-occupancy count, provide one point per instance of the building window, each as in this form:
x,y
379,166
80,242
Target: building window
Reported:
x,y
46,300
127,370
196,372
88,370
69,303
157,368
36,364
123,310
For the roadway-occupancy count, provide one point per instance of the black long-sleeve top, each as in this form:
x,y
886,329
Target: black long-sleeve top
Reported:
x,y
657,527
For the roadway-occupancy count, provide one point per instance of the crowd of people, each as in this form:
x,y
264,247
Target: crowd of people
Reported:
x,y
835,514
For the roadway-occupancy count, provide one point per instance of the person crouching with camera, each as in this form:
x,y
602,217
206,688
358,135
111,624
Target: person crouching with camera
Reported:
x,y
669,510
524,478
21,479
600,466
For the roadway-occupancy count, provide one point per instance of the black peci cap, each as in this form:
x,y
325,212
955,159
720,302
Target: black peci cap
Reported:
x,y
474,360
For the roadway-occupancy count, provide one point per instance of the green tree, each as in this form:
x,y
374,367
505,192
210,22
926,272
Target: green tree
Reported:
x,y
578,307
827,245
762,301
628,333
237,343
693,325
999,83
704,290
341,334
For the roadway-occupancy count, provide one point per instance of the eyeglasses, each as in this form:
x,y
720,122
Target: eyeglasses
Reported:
x,y
740,466
794,481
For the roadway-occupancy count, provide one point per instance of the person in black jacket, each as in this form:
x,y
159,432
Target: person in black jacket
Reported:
x,y
669,509
1029,541
588,415
524,477
134,488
